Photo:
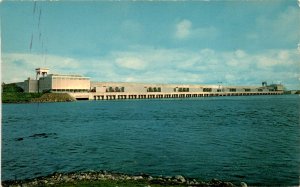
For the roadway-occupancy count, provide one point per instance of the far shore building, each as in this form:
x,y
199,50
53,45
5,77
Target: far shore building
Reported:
x,y
81,87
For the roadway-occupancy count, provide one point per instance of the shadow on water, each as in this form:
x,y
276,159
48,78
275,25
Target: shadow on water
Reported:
x,y
39,135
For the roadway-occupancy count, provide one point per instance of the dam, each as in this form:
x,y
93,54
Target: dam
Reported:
x,y
82,88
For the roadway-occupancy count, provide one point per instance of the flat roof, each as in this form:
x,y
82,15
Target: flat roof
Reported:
x,y
41,68
66,75
177,85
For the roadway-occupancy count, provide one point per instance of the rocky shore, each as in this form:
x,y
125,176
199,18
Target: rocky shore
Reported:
x,y
104,178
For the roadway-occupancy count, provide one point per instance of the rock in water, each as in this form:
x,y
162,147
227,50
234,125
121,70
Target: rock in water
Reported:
x,y
180,178
243,184
19,139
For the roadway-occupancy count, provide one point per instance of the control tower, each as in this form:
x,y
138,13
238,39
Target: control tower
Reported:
x,y
41,72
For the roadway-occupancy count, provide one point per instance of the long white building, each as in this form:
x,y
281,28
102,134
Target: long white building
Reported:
x,y
81,87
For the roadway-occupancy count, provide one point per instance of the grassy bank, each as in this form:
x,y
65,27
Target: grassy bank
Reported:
x,y
11,93
19,97
35,97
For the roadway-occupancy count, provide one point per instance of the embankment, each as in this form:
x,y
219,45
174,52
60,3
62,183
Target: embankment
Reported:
x,y
11,93
21,97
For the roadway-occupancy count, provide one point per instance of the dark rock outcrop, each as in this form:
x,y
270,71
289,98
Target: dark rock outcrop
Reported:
x,y
59,179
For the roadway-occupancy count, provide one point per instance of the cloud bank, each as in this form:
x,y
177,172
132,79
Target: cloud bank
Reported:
x,y
160,65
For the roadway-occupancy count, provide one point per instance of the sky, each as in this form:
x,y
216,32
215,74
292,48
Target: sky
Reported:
x,y
189,42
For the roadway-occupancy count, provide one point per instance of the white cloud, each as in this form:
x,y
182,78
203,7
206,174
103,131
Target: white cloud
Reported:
x,y
130,62
240,53
183,29
283,55
147,64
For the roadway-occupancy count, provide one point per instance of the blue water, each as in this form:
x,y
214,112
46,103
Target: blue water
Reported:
x,y
254,139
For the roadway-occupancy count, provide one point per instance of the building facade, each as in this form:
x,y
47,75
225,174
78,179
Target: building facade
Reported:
x,y
64,83
55,83
81,87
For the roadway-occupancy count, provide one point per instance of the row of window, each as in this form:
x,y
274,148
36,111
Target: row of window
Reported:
x,y
207,89
69,90
182,89
233,90
158,89
115,89
154,89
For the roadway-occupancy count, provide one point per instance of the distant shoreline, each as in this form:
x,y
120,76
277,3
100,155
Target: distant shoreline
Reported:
x,y
104,178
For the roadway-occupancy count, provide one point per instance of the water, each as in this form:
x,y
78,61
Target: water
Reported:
x,y
254,139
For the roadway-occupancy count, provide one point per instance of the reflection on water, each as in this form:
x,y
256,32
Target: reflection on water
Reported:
x,y
253,139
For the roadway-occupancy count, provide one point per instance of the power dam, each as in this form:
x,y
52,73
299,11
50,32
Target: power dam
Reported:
x,y
82,88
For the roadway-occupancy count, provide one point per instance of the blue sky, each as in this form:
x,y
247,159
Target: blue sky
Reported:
x,y
199,42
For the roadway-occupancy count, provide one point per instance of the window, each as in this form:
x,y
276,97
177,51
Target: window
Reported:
x,y
247,89
207,89
232,89
109,89
182,89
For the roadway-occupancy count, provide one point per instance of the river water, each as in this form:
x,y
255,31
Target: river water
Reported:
x,y
255,139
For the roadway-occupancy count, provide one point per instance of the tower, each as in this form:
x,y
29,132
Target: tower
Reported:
x,y
41,72
264,83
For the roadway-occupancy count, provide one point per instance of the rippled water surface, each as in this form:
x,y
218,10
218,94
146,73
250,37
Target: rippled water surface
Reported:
x,y
254,139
